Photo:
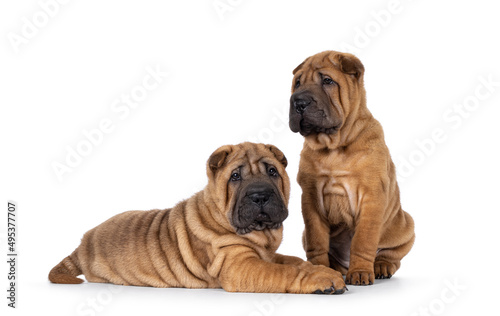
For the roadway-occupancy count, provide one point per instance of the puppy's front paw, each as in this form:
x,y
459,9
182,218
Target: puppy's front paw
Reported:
x,y
323,280
359,277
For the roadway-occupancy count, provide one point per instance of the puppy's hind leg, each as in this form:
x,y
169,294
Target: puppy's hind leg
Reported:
x,y
388,259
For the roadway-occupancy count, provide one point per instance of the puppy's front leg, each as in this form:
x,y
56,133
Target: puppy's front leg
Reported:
x,y
316,237
244,271
365,240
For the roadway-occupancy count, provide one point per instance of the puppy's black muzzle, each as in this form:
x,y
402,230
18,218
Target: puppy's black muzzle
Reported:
x,y
310,114
300,102
259,207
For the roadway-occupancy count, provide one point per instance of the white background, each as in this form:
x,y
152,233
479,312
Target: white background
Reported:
x,y
229,79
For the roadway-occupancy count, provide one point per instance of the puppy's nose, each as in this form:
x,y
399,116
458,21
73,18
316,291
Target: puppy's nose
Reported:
x,y
260,198
301,103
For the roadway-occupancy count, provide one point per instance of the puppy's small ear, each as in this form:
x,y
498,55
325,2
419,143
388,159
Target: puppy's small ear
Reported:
x,y
351,65
299,66
278,154
218,158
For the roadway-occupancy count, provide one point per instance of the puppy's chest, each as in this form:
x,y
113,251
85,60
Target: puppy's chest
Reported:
x,y
339,199
335,184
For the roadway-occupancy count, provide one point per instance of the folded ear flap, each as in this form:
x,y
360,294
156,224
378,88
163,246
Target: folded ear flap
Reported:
x,y
299,66
351,65
218,158
278,154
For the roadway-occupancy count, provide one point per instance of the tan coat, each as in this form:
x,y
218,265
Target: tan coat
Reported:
x,y
353,218
196,245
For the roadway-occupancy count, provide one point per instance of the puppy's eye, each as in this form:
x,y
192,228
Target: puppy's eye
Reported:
x,y
235,176
272,172
297,83
328,81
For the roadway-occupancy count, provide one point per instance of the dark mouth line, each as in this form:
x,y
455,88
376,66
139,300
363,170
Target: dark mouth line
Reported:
x,y
308,128
258,227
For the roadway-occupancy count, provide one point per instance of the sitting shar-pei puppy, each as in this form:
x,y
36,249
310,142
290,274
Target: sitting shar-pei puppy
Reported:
x,y
353,218
224,236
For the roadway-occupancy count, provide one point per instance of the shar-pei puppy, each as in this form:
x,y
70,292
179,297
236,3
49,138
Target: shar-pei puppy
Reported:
x,y
353,218
223,236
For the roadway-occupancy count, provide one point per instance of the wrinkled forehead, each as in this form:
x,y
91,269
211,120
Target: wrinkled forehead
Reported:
x,y
253,159
320,62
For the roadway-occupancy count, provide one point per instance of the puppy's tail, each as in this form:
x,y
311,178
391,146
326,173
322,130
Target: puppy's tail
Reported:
x,y
66,271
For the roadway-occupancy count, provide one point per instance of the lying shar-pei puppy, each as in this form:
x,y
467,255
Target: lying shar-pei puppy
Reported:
x,y
353,218
224,236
